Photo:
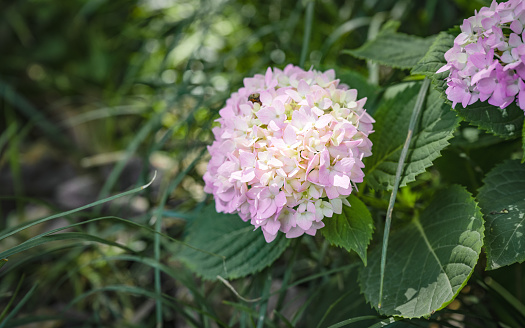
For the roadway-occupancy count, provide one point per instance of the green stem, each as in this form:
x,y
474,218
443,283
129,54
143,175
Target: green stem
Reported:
x,y
415,116
307,31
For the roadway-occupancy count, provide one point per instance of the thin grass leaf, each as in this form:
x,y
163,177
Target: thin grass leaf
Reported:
x,y
264,306
331,307
308,22
415,115
283,319
8,134
37,319
356,319
130,150
5,234
61,236
8,306
343,29
507,296
18,306
101,113
165,299
383,323
158,225
32,114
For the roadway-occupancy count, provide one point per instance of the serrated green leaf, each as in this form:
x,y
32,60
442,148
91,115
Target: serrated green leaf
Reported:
x,y
430,259
436,126
393,49
502,201
434,59
506,123
239,250
352,229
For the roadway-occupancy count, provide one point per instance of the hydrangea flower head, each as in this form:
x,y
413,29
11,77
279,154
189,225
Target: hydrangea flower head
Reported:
x,y
487,61
288,150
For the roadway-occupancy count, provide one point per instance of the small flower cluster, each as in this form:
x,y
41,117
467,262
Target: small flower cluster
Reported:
x,y
288,150
487,61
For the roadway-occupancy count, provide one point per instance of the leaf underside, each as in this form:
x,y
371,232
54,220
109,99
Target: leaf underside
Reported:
x,y
430,259
502,201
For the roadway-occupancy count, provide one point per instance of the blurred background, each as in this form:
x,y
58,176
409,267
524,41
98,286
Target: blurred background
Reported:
x,y
96,95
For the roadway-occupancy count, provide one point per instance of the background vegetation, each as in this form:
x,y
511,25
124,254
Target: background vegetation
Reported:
x,y
96,96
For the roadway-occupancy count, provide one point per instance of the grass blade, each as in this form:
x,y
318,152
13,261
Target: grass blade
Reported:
x,y
307,31
31,224
352,320
18,306
415,115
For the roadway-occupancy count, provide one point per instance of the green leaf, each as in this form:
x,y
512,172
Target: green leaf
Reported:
x,y
523,143
225,245
393,49
430,259
437,124
352,229
434,59
502,201
506,123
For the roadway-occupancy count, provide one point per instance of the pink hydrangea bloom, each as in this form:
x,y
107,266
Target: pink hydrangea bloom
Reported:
x,y
487,61
288,150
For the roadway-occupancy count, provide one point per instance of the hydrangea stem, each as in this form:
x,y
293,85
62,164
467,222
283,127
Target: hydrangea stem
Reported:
x,y
307,31
415,116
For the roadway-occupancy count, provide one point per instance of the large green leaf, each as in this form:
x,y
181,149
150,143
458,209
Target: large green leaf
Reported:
x,y
352,229
436,126
430,259
393,49
225,245
502,200
434,59
506,123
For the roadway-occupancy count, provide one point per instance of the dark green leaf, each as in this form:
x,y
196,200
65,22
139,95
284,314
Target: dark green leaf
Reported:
x,y
523,143
352,229
502,200
227,246
434,59
393,49
506,123
430,259
436,126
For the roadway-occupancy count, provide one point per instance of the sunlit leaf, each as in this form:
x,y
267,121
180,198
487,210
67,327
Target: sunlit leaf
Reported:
x,y
430,259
